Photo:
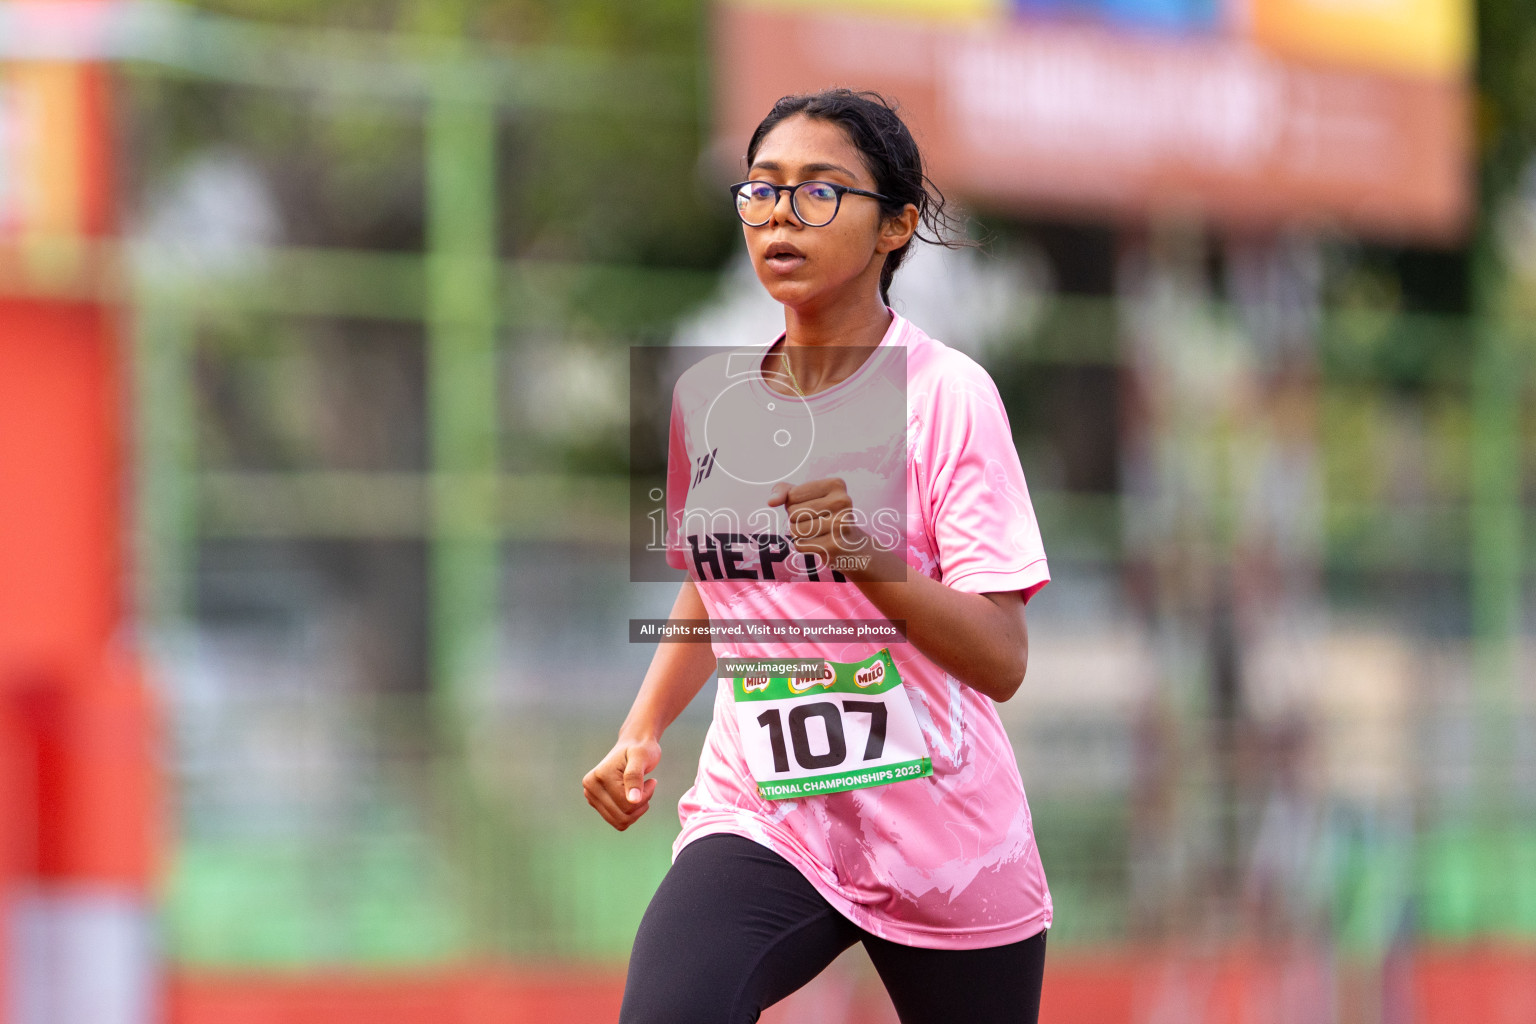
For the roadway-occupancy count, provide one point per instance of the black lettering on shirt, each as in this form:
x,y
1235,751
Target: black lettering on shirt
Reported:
x,y
710,556
729,546
771,548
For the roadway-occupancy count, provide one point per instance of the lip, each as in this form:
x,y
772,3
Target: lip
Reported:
x,y
783,258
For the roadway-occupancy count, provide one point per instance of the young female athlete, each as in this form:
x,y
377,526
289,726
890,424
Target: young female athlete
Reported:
x,y
877,801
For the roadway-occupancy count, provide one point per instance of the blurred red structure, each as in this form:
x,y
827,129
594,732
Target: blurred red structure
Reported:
x,y
78,743
1490,986
449,997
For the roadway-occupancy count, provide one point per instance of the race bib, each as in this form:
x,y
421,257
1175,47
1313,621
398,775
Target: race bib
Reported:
x,y
850,729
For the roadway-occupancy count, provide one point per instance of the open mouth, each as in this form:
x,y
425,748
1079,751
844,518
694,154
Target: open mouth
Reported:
x,y
783,257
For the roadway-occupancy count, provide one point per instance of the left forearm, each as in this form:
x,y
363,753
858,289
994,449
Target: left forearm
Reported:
x,y
980,639
981,642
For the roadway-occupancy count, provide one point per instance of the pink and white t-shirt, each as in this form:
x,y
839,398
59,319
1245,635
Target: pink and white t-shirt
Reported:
x,y
945,861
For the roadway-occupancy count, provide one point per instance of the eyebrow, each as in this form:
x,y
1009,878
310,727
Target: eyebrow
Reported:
x,y
769,165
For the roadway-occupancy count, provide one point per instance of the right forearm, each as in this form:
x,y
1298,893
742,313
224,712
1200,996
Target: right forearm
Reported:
x,y
677,673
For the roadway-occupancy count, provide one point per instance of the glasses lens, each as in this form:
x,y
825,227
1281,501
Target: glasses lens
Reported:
x,y
754,202
815,203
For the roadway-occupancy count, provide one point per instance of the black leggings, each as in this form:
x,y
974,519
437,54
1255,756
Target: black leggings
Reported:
x,y
734,928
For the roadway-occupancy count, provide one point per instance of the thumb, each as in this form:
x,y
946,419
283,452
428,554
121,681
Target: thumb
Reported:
x,y
779,495
634,775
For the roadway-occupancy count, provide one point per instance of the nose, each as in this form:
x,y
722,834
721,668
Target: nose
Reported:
x,y
784,207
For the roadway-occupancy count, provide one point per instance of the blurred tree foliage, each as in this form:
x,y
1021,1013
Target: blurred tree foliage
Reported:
x,y
1506,94
617,187
594,185
1381,279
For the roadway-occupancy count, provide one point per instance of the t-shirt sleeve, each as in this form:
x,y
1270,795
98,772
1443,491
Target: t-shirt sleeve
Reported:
x,y
679,471
981,520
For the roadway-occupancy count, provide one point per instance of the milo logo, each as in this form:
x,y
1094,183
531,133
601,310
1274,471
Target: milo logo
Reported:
x,y
754,683
875,673
827,678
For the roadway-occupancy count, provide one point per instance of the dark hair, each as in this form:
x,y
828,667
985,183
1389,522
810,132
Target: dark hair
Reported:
x,y
890,153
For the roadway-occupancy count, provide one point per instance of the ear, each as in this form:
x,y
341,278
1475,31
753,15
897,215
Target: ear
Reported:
x,y
897,230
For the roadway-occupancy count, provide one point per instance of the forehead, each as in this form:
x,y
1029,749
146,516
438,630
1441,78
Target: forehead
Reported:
x,y
799,141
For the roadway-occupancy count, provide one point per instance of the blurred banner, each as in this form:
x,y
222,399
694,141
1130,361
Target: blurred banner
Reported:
x,y
1352,114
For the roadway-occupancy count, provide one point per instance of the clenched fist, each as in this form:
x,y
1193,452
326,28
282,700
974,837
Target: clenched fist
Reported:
x,y
617,787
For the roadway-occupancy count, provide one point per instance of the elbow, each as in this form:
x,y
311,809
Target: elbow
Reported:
x,y
1010,648
1008,681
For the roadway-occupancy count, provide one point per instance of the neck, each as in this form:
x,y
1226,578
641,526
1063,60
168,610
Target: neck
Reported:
x,y
832,343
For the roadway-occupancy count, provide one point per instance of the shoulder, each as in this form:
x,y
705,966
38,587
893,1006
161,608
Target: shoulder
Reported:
x,y
941,377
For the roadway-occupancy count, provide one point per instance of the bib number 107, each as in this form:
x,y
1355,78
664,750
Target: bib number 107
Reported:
x,y
831,717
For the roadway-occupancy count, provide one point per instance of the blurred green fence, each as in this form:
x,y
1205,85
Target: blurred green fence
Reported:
x,y
322,820
465,834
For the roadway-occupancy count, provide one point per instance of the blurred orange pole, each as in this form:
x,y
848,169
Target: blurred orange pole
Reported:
x,y
78,778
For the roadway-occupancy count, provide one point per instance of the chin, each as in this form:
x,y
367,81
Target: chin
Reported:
x,y
788,293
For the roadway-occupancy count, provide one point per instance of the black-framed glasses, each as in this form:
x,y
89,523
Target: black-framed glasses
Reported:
x,y
815,202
